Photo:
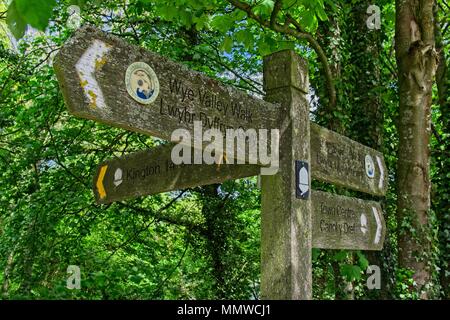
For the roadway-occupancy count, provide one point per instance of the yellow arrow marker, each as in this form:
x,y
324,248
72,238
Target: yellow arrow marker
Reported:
x,y
100,186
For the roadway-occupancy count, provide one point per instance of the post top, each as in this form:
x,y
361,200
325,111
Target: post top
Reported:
x,y
285,68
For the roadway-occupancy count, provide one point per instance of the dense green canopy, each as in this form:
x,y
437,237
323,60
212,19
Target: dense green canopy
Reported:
x,y
201,243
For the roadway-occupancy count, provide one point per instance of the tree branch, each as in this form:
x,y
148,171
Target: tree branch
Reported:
x,y
253,86
297,33
156,217
300,34
3,14
160,216
436,134
276,10
161,285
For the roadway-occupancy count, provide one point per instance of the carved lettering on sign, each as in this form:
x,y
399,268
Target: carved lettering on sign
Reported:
x,y
346,223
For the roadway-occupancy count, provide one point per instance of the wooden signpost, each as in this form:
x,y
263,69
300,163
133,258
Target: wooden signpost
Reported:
x,y
341,161
346,223
152,172
109,81
337,222
105,79
158,174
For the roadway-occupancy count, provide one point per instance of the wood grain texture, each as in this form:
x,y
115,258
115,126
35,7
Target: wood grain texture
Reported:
x,y
346,223
286,267
339,160
185,96
152,172
336,220
342,168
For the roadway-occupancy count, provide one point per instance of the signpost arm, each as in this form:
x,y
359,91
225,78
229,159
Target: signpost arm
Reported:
x,y
286,271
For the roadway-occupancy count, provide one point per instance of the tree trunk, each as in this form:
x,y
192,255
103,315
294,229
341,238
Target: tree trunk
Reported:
x,y
416,61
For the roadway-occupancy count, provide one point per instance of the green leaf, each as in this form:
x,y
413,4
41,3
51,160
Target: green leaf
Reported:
x,y
363,262
351,272
15,22
185,17
245,37
321,13
309,20
227,44
200,22
264,8
315,254
263,47
340,256
167,12
283,45
222,23
36,12
238,15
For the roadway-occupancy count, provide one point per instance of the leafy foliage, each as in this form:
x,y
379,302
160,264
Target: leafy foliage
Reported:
x,y
200,243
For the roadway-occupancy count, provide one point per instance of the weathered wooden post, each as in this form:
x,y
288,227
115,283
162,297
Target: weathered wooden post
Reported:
x,y
294,218
286,271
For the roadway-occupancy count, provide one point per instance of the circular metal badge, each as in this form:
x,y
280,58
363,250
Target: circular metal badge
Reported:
x,y
142,83
370,167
